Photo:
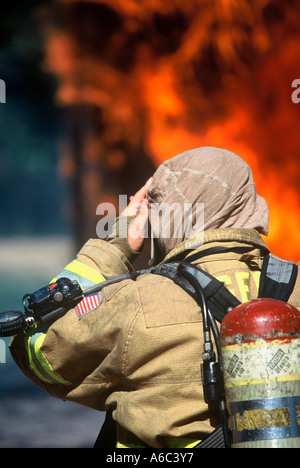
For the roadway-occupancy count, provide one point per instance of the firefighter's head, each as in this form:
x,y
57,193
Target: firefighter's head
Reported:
x,y
201,189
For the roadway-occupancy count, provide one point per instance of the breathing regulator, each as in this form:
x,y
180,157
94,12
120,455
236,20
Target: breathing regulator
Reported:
x,y
43,306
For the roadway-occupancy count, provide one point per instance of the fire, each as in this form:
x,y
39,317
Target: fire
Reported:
x,y
163,76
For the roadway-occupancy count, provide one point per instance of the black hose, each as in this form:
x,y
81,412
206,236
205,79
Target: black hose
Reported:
x,y
209,322
13,327
203,304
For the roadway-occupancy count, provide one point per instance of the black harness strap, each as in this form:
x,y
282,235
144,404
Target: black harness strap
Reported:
x,y
219,299
215,440
278,278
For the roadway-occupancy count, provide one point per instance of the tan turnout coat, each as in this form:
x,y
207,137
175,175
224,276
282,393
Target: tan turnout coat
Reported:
x,y
139,352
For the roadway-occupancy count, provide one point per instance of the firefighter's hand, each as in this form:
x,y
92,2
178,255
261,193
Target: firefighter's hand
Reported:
x,y
138,207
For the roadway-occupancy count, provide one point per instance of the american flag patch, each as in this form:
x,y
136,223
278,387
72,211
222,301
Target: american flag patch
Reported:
x,y
88,304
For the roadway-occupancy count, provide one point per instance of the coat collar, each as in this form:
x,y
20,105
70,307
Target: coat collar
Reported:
x,y
249,237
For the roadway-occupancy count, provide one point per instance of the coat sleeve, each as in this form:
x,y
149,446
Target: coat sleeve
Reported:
x,y
59,358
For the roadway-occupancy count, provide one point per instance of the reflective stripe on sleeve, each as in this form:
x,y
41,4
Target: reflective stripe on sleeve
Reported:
x,y
171,443
84,274
182,443
86,277
38,362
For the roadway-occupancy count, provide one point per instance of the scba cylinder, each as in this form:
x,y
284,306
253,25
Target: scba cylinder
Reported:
x,y
260,346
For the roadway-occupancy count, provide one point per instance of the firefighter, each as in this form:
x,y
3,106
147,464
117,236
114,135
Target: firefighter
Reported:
x,y
134,349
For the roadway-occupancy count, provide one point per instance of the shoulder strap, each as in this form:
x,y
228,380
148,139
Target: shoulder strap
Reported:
x,y
218,298
277,281
278,278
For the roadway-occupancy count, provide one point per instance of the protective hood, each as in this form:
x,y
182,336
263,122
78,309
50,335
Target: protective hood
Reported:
x,y
201,189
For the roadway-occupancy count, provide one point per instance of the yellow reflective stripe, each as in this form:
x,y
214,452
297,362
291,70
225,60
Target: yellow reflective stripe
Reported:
x,y
38,362
33,342
32,364
119,445
86,271
45,364
170,443
84,274
284,378
182,443
193,444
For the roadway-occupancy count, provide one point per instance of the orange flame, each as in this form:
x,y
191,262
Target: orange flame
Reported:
x,y
171,75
